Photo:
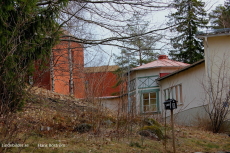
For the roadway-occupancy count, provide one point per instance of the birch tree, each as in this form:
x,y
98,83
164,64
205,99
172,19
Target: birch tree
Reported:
x,y
105,22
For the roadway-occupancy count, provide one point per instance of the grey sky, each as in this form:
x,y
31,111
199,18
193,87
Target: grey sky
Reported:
x,y
158,19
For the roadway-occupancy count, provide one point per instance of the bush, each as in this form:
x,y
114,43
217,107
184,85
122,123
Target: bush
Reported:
x,y
151,122
153,130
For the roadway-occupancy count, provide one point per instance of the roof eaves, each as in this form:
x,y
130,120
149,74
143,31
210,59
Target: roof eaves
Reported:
x,y
155,67
213,33
112,97
108,97
181,70
98,69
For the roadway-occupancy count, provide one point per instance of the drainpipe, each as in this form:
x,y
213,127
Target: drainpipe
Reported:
x,y
208,70
208,57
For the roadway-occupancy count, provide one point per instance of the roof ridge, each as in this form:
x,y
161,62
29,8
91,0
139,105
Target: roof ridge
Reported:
x,y
161,63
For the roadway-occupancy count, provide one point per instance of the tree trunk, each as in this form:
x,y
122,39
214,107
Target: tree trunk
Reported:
x,y
52,71
70,68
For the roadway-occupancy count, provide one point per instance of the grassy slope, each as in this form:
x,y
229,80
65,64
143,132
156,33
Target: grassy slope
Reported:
x,y
61,116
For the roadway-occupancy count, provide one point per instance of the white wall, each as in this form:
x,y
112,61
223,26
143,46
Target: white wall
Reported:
x,y
217,58
149,72
217,54
116,105
192,90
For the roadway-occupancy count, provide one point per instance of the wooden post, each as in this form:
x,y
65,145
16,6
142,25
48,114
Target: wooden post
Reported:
x,y
165,133
173,136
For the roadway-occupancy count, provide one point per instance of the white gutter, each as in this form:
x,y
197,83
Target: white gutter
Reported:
x,y
208,57
208,70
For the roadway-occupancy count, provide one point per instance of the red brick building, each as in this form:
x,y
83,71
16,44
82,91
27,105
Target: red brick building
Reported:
x,y
64,73
64,70
100,81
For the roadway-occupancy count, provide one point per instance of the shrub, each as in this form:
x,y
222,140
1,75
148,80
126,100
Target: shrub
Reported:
x,y
154,130
151,122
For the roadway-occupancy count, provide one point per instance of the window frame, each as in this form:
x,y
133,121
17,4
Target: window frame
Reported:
x,y
174,92
146,82
149,104
142,100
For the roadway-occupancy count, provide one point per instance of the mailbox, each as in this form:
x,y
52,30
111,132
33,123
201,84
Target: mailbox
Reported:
x,y
170,104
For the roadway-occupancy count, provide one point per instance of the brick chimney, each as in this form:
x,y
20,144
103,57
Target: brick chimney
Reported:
x,y
160,57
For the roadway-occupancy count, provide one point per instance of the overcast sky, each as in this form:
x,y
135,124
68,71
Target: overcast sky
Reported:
x,y
159,18
211,4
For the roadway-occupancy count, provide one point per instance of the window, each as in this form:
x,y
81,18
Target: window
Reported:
x,y
174,92
146,82
150,102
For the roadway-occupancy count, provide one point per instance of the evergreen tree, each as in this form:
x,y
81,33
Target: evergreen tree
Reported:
x,y
28,30
140,46
220,17
189,16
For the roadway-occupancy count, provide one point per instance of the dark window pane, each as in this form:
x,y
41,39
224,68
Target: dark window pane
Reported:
x,y
146,102
146,96
153,95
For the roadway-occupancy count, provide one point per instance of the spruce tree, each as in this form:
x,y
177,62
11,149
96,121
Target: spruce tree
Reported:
x,y
28,30
189,16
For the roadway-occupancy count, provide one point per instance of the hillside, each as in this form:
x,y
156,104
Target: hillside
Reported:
x,y
55,123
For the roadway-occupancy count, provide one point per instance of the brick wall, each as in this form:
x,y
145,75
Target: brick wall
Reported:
x,y
100,84
61,69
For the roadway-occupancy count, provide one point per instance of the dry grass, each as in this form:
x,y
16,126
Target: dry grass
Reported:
x,y
48,122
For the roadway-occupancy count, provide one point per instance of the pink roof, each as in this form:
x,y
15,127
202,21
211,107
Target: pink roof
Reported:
x,y
162,61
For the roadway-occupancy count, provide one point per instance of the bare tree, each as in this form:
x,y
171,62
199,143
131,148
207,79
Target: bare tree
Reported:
x,y
217,91
103,22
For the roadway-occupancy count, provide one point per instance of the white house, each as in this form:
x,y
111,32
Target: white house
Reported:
x,y
193,86
186,86
144,91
